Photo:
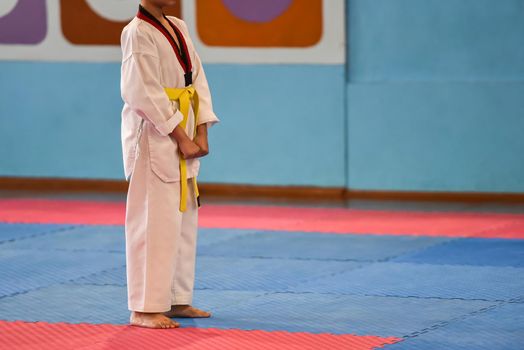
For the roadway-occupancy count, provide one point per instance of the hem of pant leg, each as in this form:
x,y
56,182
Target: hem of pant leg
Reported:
x,y
150,308
182,299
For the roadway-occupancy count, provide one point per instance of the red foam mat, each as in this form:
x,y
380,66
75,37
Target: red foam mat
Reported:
x,y
329,220
341,220
52,211
52,336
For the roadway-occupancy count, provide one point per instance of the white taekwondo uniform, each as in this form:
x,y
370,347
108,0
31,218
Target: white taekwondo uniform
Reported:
x,y
160,235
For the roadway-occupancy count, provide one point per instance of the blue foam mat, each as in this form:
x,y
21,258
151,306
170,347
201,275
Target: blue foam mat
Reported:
x,y
341,314
423,280
109,238
471,251
68,303
104,238
222,273
315,313
309,245
75,303
499,328
114,277
10,232
291,281
263,274
25,269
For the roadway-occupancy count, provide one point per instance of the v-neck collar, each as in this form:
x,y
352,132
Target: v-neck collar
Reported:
x,y
181,52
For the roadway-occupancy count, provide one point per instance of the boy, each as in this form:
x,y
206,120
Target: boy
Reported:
x,y
165,118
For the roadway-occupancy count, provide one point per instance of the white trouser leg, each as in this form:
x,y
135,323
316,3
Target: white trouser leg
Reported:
x,y
184,276
153,227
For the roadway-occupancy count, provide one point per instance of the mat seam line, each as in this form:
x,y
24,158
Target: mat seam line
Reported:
x,y
40,234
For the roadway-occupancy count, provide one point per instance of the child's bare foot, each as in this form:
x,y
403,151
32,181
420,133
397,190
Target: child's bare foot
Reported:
x,y
152,320
186,311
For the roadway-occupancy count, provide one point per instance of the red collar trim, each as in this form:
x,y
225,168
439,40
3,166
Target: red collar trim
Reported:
x,y
164,31
184,44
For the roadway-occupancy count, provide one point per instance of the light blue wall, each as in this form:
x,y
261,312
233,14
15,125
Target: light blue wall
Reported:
x,y
432,100
60,120
436,95
277,126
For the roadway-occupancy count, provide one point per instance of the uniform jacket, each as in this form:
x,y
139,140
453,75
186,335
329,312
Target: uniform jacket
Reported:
x,y
149,64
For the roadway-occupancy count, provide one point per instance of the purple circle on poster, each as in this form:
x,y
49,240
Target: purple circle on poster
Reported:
x,y
257,10
26,23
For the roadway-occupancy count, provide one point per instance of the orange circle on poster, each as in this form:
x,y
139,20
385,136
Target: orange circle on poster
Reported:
x,y
299,26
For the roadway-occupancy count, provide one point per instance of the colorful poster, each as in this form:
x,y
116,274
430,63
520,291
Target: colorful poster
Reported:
x,y
224,31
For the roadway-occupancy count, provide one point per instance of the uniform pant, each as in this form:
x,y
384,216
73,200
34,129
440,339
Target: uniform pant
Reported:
x,y
160,240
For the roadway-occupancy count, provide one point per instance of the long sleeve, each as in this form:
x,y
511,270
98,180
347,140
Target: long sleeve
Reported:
x,y
206,113
141,88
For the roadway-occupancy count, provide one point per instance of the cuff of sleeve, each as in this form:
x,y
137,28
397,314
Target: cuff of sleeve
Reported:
x,y
210,120
169,125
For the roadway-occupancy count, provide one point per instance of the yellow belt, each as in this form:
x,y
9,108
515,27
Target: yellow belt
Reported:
x,y
184,96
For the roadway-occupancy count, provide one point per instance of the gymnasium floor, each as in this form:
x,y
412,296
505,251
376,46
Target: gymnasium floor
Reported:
x,y
275,275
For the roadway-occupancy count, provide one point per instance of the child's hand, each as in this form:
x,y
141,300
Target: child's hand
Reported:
x,y
201,140
188,148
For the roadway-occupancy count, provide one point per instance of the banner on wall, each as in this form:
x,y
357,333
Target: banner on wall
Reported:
x,y
224,31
